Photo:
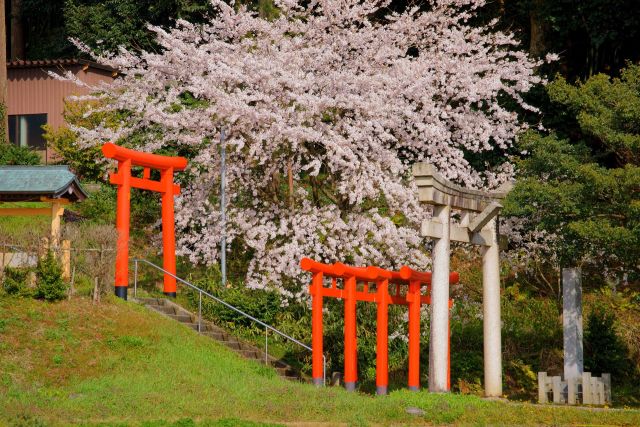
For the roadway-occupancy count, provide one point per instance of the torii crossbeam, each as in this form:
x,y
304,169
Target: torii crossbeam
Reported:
x,y
167,165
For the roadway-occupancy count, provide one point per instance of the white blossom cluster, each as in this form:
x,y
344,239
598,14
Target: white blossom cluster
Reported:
x,y
332,92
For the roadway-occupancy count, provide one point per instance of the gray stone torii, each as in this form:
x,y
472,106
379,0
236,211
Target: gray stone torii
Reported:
x,y
479,229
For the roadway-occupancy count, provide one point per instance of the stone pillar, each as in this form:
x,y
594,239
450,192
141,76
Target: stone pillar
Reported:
x,y
438,342
491,315
572,322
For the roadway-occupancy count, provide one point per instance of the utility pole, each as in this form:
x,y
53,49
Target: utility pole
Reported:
x,y
223,213
4,135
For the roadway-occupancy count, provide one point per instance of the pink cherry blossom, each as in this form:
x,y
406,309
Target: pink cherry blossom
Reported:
x,y
336,97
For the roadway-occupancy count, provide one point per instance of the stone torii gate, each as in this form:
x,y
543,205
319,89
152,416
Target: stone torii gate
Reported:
x,y
477,226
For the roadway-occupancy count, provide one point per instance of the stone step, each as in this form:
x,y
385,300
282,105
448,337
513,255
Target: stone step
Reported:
x,y
151,301
232,344
163,309
284,372
216,335
182,318
194,326
251,354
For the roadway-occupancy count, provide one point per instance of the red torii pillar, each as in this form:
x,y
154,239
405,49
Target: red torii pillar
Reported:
x,y
167,165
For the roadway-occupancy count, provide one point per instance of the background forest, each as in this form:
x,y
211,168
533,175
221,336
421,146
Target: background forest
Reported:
x,y
576,201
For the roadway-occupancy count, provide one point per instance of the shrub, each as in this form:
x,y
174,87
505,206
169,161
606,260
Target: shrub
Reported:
x,y
14,155
257,303
49,283
604,351
82,160
15,281
100,206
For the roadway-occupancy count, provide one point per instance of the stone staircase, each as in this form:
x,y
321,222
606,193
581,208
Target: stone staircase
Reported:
x,y
176,312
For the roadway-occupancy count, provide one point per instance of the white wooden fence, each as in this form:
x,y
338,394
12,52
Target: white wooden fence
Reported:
x,y
586,390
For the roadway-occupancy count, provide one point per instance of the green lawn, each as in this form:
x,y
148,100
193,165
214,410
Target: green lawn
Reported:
x,y
118,364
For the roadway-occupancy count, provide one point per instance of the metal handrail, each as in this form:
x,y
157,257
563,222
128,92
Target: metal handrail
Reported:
x,y
229,306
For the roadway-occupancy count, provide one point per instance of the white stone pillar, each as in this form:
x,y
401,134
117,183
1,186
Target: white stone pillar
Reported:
x,y
572,322
491,314
439,337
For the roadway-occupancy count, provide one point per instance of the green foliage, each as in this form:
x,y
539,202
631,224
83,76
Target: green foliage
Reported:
x,y
15,281
607,111
107,25
522,380
84,161
531,335
604,351
585,189
593,209
100,206
3,129
81,160
49,283
11,154
44,30
263,305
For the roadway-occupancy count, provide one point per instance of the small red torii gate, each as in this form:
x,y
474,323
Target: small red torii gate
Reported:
x,y
167,165
381,279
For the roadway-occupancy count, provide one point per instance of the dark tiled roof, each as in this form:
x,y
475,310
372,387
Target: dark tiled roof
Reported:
x,y
25,183
51,63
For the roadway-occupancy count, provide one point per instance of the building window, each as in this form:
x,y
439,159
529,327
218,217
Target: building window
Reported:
x,y
25,130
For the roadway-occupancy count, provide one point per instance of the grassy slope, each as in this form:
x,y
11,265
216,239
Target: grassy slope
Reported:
x,y
72,362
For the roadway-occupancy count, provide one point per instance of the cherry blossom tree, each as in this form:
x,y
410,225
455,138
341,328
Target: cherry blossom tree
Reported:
x,y
325,108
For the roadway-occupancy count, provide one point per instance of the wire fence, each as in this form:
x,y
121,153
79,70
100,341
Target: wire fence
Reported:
x,y
86,251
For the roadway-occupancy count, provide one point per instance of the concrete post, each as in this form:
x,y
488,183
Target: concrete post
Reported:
x,y
586,388
572,322
438,343
491,315
542,387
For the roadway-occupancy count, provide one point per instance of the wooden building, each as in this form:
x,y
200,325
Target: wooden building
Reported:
x,y
35,98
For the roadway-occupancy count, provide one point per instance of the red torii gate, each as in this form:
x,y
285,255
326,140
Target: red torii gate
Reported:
x,y
350,294
167,165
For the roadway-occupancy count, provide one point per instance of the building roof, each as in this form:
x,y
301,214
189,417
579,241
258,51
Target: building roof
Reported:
x,y
31,183
56,63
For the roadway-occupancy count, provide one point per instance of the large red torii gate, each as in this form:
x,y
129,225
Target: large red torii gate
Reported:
x,y
167,165
350,294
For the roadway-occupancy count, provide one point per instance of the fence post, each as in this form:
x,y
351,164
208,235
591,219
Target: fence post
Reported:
x,y
65,257
542,387
606,379
586,388
557,389
266,346
200,312
571,391
600,384
72,281
324,370
135,278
